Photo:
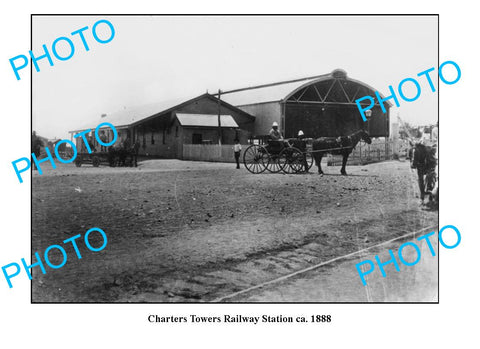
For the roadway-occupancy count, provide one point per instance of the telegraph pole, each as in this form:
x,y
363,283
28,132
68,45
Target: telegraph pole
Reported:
x,y
219,122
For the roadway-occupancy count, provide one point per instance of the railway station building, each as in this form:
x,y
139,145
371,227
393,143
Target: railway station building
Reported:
x,y
320,106
164,128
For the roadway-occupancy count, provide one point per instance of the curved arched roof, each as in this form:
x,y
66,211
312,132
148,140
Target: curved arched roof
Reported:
x,y
335,87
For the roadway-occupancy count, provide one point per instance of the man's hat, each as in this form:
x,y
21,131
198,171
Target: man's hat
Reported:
x,y
300,133
275,124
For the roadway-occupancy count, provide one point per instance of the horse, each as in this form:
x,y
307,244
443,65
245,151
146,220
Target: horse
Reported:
x,y
342,145
424,161
117,155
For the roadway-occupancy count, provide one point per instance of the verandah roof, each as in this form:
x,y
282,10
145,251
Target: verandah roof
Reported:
x,y
205,120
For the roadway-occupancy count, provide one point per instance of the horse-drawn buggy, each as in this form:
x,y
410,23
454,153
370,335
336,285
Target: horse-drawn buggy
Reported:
x,y
278,156
122,155
297,155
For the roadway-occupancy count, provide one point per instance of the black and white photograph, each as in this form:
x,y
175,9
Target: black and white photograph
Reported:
x,y
238,174
239,159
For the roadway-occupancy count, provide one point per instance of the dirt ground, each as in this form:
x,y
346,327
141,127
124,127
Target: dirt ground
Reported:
x,y
182,231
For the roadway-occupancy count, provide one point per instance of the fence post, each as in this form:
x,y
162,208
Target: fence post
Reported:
x,y
387,157
361,162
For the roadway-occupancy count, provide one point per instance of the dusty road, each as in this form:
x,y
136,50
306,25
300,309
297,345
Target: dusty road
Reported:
x,y
190,231
337,280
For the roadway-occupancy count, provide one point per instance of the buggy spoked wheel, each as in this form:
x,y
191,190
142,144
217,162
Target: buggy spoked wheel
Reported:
x,y
299,162
284,158
255,158
293,160
275,163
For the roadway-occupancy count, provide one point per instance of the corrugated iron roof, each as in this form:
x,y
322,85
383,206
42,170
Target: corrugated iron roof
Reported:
x,y
205,120
265,94
281,91
134,114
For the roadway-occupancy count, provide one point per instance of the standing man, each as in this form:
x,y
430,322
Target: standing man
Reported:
x,y
275,134
237,148
301,144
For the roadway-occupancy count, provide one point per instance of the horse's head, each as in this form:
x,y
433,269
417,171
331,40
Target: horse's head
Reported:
x,y
365,137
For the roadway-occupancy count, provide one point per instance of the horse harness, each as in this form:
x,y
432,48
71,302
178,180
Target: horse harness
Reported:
x,y
340,143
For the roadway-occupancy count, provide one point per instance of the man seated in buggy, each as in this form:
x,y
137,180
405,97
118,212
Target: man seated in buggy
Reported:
x,y
276,141
301,144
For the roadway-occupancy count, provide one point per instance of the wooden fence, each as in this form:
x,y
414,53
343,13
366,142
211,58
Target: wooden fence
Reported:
x,y
210,152
379,150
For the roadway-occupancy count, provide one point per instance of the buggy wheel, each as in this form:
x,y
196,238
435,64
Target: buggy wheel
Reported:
x,y
95,161
293,159
78,162
255,158
300,162
284,159
275,163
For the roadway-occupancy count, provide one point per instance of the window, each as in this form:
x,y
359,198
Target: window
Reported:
x,y
176,131
197,138
153,140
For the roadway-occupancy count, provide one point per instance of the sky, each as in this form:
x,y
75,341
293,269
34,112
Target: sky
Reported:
x,y
156,58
